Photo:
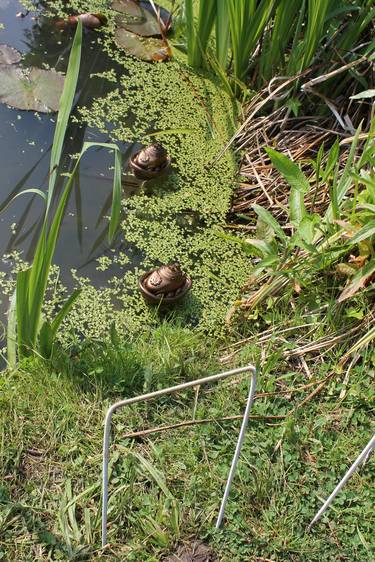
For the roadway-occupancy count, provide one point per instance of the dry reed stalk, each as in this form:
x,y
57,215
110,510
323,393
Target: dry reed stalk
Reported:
x,y
298,138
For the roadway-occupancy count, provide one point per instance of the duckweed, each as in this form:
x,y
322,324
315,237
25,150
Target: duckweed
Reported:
x,y
178,217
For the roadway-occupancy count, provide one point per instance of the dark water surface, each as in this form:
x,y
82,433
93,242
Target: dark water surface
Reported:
x,y
25,144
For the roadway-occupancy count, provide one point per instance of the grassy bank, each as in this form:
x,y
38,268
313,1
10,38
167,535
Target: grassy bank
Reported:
x,y
167,487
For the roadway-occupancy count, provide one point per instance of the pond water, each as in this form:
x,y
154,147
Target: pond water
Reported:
x,y
176,219
25,143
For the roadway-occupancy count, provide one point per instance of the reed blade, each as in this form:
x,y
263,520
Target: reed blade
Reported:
x,y
65,108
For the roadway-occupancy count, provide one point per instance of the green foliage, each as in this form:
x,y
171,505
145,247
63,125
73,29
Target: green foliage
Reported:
x,y
176,218
298,182
317,243
247,22
158,358
198,41
273,38
222,33
32,283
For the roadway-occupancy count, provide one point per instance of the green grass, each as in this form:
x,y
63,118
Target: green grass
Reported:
x,y
167,487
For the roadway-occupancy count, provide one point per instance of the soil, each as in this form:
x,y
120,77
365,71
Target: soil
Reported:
x,y
192,552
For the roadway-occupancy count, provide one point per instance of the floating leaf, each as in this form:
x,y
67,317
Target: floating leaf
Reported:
x,y
31,89
140,18
145,48
9,55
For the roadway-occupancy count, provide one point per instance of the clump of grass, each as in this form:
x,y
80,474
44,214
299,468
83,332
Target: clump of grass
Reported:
x,y
157,358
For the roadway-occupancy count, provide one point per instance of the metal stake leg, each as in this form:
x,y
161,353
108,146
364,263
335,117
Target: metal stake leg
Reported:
x,y
361,458
237,452
163,392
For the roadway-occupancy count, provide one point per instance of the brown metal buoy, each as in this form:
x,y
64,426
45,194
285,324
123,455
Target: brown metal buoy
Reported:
x,y
90,21
167,284
150,162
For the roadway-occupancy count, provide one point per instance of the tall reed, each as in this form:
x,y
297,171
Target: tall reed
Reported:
x,y
271,37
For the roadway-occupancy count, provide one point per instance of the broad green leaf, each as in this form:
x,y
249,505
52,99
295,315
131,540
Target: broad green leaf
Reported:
x,y
12,332
64,310
270,221
268,261
24,322
262,247
366,179
332,160
190,31
264,231
297,180
117,189
46,340
116,198
31,190
48,331
297,209
307,228
291,172
65,107
222,33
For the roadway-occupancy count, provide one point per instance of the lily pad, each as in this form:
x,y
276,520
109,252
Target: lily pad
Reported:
x,y
145,48
9,55
31,89
139,17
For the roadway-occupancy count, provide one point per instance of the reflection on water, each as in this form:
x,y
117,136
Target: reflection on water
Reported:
x,y
25,144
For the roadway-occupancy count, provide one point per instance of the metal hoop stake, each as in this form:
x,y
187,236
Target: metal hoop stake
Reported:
x,y
163,392
361,458
237,452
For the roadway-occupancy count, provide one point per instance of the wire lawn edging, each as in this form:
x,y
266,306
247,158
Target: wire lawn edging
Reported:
x,y
163,392
362,458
